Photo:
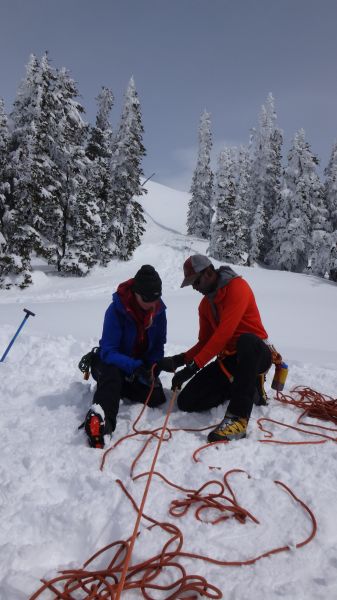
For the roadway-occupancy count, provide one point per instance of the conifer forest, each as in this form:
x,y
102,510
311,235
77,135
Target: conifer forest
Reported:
x,y
68,189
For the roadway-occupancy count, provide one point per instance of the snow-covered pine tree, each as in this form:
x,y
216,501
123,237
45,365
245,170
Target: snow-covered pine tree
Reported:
x,y
265,180
4,156
332,264
227,235
200,206
280,252
99,151
11,265
243,194
54,209
321,241
256,229
331,200
128,151
37,183
25,198
302,198
74,222
331,187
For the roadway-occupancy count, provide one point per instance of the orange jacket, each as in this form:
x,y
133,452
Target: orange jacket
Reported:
x,y
237,313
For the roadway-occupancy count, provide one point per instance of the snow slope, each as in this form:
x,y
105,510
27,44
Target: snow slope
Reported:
x,y
57,508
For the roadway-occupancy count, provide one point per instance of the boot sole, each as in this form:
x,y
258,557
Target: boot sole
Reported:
x,y
94,433
226,438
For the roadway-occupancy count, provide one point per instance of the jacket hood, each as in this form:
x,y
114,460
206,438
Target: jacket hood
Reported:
x,y
226,274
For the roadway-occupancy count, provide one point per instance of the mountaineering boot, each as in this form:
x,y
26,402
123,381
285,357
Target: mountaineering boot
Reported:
x,y
94,428
97,426
230,428
260,395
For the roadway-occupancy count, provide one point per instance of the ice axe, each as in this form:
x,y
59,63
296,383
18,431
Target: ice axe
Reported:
x,y
28,313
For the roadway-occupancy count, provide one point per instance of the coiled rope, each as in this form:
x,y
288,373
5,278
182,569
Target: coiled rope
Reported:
x,y
106,583
314,405
119,576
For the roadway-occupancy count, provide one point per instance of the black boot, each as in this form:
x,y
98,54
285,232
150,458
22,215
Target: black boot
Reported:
x,y
260,396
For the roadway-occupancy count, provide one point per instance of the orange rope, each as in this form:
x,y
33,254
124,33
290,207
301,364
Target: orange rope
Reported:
x,y
141,508
105,584
315,405
97,586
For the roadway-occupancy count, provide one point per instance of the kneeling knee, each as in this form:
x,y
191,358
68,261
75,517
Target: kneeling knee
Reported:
x,y
183,404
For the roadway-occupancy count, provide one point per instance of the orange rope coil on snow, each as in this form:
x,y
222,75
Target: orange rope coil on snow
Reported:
x,y
314,405
108,583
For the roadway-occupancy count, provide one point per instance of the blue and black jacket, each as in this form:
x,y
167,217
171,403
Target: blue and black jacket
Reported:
x,y
120,333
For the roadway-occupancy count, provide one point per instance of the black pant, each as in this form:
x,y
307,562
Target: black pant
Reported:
x,y
211,387
112,385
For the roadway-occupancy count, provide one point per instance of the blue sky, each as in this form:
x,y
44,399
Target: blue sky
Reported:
x,y
185,56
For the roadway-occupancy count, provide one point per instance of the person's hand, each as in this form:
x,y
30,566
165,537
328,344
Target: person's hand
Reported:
x,y
184,375
143,374
171,363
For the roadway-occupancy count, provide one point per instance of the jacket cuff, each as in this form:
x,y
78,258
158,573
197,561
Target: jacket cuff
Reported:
x,y
198,363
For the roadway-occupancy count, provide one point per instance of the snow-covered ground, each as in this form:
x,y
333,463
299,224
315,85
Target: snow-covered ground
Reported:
x,y
57,508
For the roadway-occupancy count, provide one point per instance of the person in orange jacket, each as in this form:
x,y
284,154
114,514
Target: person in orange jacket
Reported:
x,y
232,336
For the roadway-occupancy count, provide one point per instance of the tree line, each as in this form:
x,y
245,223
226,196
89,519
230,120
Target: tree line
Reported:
x,y
67,189
254,210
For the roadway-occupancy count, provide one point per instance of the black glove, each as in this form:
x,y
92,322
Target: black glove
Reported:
x,y
171,363
184,375
143,374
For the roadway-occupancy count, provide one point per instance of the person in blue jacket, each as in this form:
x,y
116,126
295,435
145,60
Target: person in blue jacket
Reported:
x,y
133,339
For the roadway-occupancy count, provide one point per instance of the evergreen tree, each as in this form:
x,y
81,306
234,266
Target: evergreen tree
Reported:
x,y
11,265
227,236
266,180
128,151
26,196
72,215
301,210
55,210
26,203
4,155
99,151
200,206
256,230
332,263
243,195
320,241
331,187
331,200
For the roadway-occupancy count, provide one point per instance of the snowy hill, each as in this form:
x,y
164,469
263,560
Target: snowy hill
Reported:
x,y
57,508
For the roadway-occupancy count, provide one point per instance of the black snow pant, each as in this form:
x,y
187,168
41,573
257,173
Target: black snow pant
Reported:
x,y
113,384
211,387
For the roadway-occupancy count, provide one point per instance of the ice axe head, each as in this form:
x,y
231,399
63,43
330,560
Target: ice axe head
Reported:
x,y
28,313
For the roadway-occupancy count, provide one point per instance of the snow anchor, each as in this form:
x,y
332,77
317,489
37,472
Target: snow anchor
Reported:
x,y
28,313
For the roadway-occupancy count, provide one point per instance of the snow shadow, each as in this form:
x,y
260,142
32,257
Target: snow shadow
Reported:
x,y
78,395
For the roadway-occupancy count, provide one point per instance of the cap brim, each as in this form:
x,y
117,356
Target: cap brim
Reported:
x,y
189,280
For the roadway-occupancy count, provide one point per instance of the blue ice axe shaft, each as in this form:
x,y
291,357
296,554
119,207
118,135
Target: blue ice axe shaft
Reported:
x,y
28,313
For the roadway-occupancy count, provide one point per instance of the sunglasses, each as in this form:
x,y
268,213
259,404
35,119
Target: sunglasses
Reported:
x,y
198,279
149,298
